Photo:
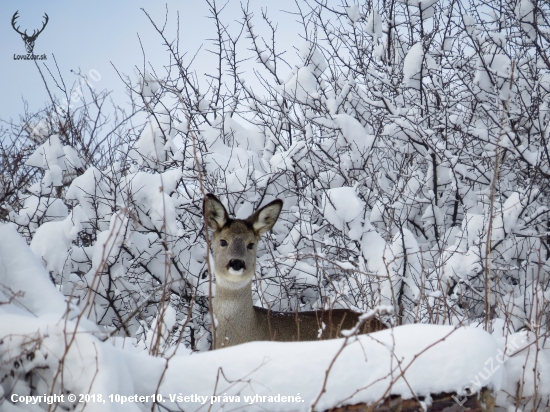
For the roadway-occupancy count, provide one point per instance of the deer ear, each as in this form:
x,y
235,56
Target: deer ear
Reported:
x,y
214,212
263,219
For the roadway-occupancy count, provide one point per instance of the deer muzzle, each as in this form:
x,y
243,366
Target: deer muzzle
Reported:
x,y
236,266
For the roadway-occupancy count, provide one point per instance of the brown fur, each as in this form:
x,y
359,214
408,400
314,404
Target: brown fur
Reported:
x,y
238,320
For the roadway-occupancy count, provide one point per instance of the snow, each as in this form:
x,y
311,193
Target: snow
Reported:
x,y
497,78
525,13
353,13
329,179
353,132
89,367
72,158
469,23
283,160
48,154
108,243
22,272
412,66
309,52
303,85
521,366
374,25
47,208
51,244
379,360
149,85
82,188
506,221
248,139
374,249
341,205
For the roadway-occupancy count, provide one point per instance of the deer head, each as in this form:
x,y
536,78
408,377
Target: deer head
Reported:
x,y
29,40
235,241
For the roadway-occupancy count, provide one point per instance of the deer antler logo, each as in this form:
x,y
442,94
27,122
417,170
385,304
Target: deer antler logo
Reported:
x,y
29,40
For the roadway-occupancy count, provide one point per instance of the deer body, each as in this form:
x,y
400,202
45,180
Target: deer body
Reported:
x,y
238,320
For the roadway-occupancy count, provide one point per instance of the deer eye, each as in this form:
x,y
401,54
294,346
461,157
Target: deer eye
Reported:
x,y
223,242
250,246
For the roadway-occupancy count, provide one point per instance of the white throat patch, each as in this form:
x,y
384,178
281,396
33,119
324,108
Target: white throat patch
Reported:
x,y
235,272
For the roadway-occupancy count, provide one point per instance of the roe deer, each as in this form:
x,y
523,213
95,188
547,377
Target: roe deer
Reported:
x,y
235,242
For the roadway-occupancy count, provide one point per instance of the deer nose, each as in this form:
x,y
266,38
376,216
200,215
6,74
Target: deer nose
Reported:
x,y
236,264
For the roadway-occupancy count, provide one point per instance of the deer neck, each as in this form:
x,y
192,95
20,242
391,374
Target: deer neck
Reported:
x,y
233,299
235,315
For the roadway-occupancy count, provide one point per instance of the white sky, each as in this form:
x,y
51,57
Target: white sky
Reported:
x,y
86,35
